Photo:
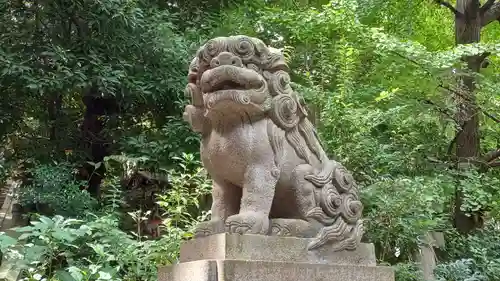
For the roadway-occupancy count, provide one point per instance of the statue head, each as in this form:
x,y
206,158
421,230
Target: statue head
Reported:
x,y
237,74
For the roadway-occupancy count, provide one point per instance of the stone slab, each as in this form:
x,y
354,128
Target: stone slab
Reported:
x,y
271,248
238,270
8,270
205,270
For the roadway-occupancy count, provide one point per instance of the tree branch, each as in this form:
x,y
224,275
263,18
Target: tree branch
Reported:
x,y
440,109
490,15
491,116
486,6
442,86
450,7
492,155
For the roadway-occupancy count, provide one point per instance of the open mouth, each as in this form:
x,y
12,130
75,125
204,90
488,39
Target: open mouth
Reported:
x,y
234,85
228,77
228,85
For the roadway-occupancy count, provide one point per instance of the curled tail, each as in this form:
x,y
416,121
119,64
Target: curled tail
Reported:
x,y
339,208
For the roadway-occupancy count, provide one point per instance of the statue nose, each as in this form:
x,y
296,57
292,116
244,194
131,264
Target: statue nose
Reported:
x,y
226,58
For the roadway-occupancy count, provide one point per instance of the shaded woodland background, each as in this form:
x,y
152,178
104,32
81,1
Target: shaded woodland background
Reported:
x,y
405,93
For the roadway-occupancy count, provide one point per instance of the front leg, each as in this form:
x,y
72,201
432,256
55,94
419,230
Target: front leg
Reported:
x,y
257,198
196,118
225,203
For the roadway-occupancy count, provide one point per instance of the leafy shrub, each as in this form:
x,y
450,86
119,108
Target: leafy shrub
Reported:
x,y
408,272
459,270
95,248
472,256
55,186
160,146
190,184
481,191
395,223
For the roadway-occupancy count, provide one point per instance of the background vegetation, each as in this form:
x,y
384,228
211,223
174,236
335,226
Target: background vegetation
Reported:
x,y
90,124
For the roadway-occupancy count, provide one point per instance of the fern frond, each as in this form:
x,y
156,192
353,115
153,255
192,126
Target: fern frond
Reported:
x,y
288,53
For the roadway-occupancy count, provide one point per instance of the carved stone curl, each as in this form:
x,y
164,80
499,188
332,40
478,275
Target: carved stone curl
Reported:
x,y
270,173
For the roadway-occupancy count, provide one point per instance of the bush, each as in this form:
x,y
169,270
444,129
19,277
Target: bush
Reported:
x,y
395,223
473,257
459,270
94,247
408,272
55,186
190,184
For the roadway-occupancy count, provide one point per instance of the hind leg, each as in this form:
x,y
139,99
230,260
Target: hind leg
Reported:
x,y
304,198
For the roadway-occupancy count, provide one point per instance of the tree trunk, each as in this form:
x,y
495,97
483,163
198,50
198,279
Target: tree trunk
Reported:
x,y
93,138
467,30
54,106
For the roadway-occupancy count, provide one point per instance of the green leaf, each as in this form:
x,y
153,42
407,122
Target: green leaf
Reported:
x,y
98,249
46,220
24,229
35,252
62,275
63,235
75,273
25,236
104,276
94,268
6,241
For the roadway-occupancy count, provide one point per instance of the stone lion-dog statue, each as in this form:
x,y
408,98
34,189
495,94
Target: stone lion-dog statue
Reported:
x,y
270,173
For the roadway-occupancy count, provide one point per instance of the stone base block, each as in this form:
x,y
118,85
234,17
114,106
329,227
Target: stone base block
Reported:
x,y
233,257
271,248
238,270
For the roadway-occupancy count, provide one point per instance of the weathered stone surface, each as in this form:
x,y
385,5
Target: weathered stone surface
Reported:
x,y
205,270
236,270
263,153
234,257
271,248
8,220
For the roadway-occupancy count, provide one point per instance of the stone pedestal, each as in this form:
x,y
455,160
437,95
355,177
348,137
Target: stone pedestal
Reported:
x,y
232,257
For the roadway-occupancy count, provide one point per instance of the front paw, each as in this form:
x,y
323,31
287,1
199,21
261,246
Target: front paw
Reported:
x,y
248,222
208,228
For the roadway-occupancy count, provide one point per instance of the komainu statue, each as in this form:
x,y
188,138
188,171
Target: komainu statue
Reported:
x,y
270,173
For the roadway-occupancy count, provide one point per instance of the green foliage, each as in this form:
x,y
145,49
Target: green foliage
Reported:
x,y
4,169
482,191
55,186
53,54
396,223
408,272
158,147
190,184
94,248
459,270
380,75
474,256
